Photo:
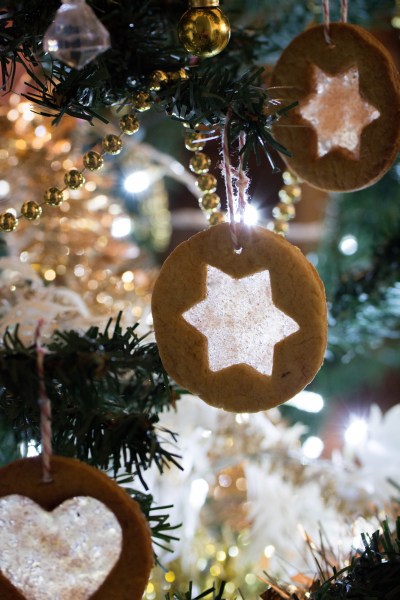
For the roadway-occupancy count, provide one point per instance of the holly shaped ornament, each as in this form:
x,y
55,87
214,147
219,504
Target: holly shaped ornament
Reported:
x,y
78,537
345,132
243,330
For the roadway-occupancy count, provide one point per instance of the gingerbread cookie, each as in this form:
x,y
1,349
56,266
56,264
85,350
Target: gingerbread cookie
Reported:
x,y
345,132
244,331
79,537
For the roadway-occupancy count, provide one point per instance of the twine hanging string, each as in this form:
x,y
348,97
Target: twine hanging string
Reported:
x,y
327,21
343,11
45,409
230,195
242,180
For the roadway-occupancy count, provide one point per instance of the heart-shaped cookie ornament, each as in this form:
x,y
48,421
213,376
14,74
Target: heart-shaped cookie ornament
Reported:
x,y
66,553
79,537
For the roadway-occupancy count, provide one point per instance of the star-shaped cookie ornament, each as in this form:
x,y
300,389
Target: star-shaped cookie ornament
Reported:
x,y
337,111
234,312
344,133
245,331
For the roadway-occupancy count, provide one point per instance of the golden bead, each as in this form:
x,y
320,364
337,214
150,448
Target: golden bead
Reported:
x,y
74,179
112,144
207,182
53,196
284,212
210,201
280,227
216,217
8,221
157,80
129,124
200,163
141,101
31,210
180,75
204,32
289,178
290,194
93,160
194,142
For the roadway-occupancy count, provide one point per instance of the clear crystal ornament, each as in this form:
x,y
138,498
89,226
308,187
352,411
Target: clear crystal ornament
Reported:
x,y
76,35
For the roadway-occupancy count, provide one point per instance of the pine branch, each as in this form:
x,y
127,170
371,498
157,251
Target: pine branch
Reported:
x,y
107,390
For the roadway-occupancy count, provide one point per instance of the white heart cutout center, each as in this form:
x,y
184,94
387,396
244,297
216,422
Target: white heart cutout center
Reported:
x,y
65,554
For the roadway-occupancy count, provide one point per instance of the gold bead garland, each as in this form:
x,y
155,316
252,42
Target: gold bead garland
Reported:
x,y
200,163
92,160
285,211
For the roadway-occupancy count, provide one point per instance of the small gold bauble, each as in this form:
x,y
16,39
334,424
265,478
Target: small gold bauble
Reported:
x,y
74,179
280,227
31,210
157,80
194,142
210,201
290,194
129,124
53,196
141,101
8,221
93,160
204,32
207,182
284,212
199,163
216,218
112,144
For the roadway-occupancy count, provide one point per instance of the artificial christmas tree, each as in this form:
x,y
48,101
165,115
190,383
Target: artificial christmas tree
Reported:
x,y
68,211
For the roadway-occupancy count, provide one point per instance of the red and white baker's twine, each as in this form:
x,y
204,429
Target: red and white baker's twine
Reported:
x,y
236,202
45,409
326,13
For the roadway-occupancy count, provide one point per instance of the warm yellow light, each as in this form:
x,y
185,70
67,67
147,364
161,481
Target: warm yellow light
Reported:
x,y
50,275
170,577
215,570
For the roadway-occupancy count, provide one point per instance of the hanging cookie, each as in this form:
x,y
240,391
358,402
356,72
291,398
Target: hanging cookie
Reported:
x,y
78,537
345,132
244,331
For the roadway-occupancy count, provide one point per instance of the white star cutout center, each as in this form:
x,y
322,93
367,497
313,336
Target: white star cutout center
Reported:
x,y
337,111
240,321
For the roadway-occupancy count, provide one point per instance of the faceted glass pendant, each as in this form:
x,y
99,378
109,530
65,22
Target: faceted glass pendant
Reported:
x,y
76,35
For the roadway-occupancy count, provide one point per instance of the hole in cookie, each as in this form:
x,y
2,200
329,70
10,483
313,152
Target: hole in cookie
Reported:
x,y
337,111
223,317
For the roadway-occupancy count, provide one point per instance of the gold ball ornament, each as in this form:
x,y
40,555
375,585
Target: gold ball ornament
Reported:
x,y
210,201
93,160
31,210
8,222
112,144
204,30
216,218
207,182
200,163
74,179
53,196
129,124
157,80
141,101
194,142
